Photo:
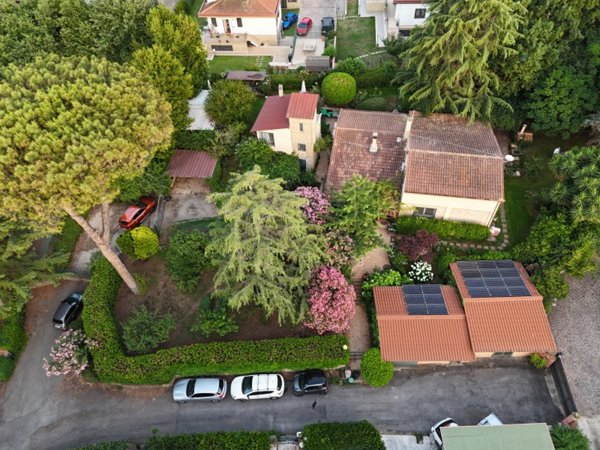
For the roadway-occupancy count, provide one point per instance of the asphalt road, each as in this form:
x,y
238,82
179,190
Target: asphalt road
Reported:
x,y
55,413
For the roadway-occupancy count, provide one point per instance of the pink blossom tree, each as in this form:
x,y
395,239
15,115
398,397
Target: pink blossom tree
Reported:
x,y
317,206
340,248
332,301
68,355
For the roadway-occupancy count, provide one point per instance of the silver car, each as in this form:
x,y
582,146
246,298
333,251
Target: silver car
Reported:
x,y
207,389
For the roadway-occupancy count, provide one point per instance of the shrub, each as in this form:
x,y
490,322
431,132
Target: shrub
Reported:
x,y
317,205
69,355
338,89
292,80
194,140
274,164
229,102
445,229
144,330
13,339
66,241
125,243
246,440
332,301
342,436
565,438
111,365
340,248
214,318
351,66
113,445
551,284
185,258
329,51
379,76
421,272
145,242
323,144
144,281
414,247
375,370
538,361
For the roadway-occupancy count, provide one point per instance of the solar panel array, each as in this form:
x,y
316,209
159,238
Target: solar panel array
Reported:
x,y
493,279
424,299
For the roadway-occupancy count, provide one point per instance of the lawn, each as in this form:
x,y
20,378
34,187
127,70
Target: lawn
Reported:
x,y
291,30
377,99
522,193
355,37
221,64
353,7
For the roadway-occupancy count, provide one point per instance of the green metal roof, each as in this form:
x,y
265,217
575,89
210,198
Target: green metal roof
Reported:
x,y
528,436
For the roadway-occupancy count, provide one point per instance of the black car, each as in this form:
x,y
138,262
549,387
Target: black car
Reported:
x,y
68,310
327,25
309,382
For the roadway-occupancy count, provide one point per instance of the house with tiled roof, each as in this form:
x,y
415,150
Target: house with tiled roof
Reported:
x,y
367,143
451,170
237,25
454,170
291,124
502,314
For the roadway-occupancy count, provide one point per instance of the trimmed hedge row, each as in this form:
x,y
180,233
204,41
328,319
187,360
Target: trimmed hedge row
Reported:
x,y
13,339
111,365
246,440
445,229
342,436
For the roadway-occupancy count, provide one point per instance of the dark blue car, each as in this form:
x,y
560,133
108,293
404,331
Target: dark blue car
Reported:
x,y
289,19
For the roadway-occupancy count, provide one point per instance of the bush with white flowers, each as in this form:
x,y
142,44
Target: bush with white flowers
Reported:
x,y
421,272
69,354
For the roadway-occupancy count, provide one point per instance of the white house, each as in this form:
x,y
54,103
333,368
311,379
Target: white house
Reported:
x,y
236,25
291,124
409,14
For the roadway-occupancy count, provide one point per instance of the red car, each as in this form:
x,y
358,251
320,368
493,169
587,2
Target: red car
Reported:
x,y
134,215
304,26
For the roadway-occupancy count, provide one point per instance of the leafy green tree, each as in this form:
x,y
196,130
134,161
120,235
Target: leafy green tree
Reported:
x,y
144,330
21,268
578,188
225,140
179,34
274,164
338,88
167,75
448,64
229,102
265,250
155,180
69,129
565,438
358,207
561,103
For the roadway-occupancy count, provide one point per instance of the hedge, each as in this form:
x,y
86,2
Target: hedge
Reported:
x,y
342,436
246,440
112,445
13,339
445,229
66,241
111,365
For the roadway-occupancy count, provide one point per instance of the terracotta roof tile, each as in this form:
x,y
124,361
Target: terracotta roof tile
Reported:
x,y
350,154
421,338
454,175
239,8
302,106
191,164
272,115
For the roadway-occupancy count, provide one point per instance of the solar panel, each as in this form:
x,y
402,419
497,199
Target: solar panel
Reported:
x,y
493,279
424,299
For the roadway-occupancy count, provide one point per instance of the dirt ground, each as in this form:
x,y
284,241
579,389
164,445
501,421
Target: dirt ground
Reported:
x,y
164,297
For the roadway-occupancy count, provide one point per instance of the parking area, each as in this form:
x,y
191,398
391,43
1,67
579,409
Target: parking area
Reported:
x,y
312,44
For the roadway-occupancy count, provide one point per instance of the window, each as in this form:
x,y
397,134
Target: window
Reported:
x,y
301,147
420,13
239,22
301,126
213,21
424,212
269,138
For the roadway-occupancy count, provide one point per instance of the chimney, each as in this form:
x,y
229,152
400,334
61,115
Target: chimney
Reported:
x,y
280,90
373,146
303,88
408,126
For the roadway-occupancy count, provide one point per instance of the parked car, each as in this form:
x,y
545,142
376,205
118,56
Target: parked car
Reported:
x,y
207,389
304,26
255,387
289,19
68,310
134,215
436,433
327,25
309,382
491,419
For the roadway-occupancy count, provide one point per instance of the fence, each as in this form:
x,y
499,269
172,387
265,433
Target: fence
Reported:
x,y
562,386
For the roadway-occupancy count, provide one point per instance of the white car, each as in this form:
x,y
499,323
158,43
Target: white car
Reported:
x,y
492,420
255,387
436,430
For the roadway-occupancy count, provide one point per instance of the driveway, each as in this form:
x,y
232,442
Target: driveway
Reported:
x,y
316,10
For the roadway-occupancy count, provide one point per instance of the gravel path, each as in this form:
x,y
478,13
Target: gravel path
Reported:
x,y
575,323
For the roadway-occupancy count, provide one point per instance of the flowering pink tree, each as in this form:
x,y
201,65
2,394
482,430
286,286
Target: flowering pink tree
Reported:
x,y
332,301
340,248
317,207
69,354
